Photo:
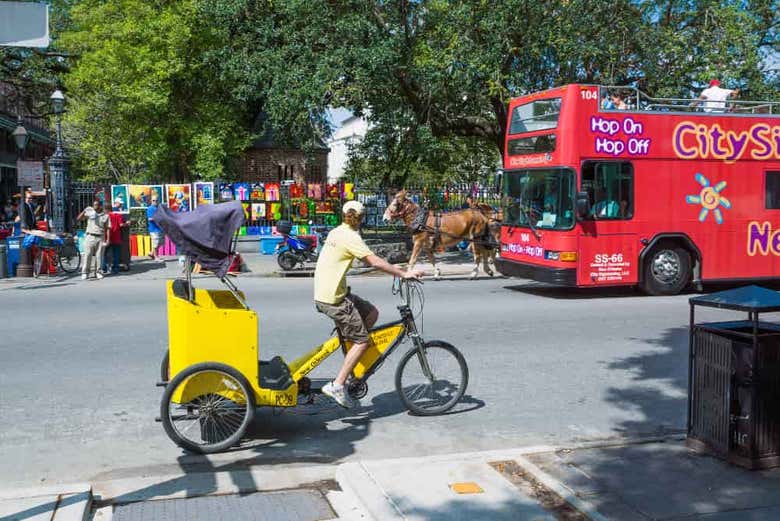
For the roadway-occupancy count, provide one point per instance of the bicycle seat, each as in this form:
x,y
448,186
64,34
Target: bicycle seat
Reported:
x,y
274,374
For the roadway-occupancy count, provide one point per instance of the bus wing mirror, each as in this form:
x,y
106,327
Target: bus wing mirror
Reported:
x,y
499,182
583,205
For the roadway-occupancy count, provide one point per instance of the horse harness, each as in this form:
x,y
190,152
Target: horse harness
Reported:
x,y
419,225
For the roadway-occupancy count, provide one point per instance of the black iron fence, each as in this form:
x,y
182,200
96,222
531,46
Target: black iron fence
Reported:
x,y
444,199
326,210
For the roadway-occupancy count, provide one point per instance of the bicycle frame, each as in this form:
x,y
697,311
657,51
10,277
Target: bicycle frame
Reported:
x,y
217,326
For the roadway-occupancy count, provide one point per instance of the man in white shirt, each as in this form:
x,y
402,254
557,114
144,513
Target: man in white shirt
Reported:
x,y
715,97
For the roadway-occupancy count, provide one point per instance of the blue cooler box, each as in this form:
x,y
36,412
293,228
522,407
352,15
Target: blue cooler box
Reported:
x,y
12,245
268,244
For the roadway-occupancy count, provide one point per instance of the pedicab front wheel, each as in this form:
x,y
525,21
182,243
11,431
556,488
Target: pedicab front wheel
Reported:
x,y
207,407
432,380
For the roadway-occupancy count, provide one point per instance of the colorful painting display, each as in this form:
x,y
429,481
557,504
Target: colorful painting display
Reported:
x,y
225,192
204,193
179,199
258,211
258,191
141,195
121,196
241,191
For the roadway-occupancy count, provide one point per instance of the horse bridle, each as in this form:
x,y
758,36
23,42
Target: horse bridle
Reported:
x,y
401,213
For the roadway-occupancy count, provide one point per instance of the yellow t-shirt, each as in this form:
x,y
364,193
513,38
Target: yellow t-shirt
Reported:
x,y
341,247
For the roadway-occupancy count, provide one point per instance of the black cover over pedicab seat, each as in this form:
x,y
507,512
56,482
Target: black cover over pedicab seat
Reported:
x,y
205,234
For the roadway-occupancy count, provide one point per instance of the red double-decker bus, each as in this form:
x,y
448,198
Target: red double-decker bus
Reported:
x,y
660,195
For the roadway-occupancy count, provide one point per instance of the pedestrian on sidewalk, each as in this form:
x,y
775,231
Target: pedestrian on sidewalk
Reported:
x,y
155,231
96,237
353,316
116,222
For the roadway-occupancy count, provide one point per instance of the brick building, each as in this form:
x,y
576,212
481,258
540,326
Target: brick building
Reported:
x,y
268,162
39,147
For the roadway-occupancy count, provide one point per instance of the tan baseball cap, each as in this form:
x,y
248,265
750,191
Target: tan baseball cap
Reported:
x,y
353,205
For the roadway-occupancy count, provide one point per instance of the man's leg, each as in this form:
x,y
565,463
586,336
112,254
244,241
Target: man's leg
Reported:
x,y
90,245
155,244
100,254
353,326
368,315
115,252
104,260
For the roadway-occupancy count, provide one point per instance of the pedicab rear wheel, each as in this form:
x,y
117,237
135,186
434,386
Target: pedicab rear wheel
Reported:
x,y
218,407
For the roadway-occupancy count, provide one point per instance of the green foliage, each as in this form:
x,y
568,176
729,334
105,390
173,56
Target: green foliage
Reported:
x,y
145,103
435,76
32,74
170,89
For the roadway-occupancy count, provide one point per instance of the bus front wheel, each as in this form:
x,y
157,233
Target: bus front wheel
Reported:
x,y
667,270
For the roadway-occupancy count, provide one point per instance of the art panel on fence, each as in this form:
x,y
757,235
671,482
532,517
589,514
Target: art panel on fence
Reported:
x,y
226,192
179,198
257,192
241,191
204,193
141,195
121,195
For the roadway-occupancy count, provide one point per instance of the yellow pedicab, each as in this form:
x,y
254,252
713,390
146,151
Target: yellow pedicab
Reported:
x,y
213,376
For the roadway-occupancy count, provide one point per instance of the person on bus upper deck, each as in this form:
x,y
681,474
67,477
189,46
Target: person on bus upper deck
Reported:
x,y
606,102
715,97
618,103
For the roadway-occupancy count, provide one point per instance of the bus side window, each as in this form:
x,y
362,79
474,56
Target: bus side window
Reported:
x,y
611,189
772,190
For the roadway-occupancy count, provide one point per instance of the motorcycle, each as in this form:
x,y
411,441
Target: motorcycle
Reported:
x,y
295,250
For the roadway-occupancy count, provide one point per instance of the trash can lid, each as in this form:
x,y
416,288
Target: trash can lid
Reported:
x,y
747,298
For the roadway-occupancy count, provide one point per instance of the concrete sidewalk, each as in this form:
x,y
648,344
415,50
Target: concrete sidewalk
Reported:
x,y
658,479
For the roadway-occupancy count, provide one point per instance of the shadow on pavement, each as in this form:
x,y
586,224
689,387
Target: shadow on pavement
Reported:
x,y
566,293
660,385
299,435
660,480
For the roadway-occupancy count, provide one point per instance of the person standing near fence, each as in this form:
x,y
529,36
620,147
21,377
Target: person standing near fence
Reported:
x,y
116,221
155,231
95,239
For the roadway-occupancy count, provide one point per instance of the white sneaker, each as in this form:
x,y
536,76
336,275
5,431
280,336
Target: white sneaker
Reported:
x,y
338,393
99,275
83,276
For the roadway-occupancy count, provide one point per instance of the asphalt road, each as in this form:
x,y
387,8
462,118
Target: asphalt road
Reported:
x,y
548,366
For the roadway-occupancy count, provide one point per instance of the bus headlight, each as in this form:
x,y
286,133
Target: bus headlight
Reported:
x,y
562,256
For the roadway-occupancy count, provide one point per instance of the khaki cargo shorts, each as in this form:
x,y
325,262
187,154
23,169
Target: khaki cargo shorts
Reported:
x,y
350,316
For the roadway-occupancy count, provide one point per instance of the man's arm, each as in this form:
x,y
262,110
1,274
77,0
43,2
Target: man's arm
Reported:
x,y
392,269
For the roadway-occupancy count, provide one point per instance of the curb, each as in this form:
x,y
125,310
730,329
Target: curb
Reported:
x,y
559,488
69,502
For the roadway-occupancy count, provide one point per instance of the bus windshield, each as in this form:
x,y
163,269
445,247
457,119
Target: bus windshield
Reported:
x,y
540,198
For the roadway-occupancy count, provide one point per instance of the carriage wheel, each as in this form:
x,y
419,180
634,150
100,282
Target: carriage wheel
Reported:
x,y
207,407
428,393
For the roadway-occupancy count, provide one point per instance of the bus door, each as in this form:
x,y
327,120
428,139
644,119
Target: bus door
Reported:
x,y
608,242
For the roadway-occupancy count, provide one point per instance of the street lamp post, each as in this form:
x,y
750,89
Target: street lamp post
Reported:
x,y
21,138
58,171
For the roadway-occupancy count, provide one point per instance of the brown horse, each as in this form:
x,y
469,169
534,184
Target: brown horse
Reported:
x,y
437,231
485,249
